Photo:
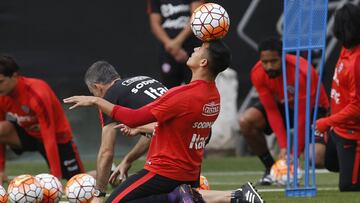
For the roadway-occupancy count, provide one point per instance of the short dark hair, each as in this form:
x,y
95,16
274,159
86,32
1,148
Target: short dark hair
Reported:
x,y
100,72
219,56
271,44
8,66
347,25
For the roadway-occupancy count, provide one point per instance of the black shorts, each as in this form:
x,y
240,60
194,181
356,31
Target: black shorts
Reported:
x,y
343,156
69,156
146,186
322,112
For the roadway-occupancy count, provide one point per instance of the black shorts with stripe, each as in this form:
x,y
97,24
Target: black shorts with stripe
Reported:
x,y
322,112
69,156
343,156
146,186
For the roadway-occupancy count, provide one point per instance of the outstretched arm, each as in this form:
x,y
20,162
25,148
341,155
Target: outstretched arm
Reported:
x,y
129,117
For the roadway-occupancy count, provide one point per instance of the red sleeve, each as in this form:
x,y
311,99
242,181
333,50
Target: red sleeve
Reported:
x,y
271,108
352,110
166,107
132,118
169,106
2,157
47,118
2,146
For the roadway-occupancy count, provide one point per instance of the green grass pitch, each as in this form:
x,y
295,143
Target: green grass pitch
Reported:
x,y
225,174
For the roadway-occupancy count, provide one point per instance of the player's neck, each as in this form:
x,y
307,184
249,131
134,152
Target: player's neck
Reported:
x,y
201,75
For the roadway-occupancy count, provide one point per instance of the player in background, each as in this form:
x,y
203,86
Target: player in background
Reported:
x,y
169,22
32,119
267,116
104,81
343,143
175,155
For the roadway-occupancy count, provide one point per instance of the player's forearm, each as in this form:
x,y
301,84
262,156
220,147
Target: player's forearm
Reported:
x,y
103,105
158,30
274,117
48,135
103,169
132,118
148,128
350,113
138,150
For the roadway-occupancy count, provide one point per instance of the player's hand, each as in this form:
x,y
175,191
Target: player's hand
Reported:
x,y
282,153
97,200
322,125
126,130
80,101
181,56
120,173
172,47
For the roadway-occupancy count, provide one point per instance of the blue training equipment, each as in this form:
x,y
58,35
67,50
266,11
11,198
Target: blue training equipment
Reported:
x,y
304,31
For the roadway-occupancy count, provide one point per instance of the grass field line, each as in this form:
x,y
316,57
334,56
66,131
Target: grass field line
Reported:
x,y
246,173
233,173
260,190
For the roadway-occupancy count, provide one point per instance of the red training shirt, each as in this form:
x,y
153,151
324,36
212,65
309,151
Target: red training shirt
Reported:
x,y
271,92
345,94
184,118
35,108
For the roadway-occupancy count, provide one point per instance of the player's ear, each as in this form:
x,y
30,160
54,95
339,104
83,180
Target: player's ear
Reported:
x,y
203,62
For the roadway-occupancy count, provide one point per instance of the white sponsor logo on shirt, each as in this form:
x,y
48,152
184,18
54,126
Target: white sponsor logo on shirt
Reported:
x,y
211,109
202,125
197,142
169,9
177,23
335,96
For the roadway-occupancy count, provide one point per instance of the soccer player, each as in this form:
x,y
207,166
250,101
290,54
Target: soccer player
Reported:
x,y
343,147
177,146
169,22
32,119
209,196
268,115
104,81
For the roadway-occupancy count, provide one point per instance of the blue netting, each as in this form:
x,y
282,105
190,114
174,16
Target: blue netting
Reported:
x,y
304,23
304,30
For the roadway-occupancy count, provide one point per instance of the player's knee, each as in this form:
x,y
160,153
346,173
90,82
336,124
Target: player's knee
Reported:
x,y
245,124
5,128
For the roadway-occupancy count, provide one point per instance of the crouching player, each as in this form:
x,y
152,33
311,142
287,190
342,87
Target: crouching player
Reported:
x,y
343,143
32,119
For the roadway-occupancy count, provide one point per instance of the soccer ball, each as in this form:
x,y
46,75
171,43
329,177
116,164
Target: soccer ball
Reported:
x,y
51,186
25,189
204,183
278,172
3,195
210,21
79,189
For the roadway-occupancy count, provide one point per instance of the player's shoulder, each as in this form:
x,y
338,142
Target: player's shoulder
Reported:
x,y
35,83
258,73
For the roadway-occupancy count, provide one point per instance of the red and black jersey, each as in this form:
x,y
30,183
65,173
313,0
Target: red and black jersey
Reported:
x,y
35,108
271,92
345,94
184,117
